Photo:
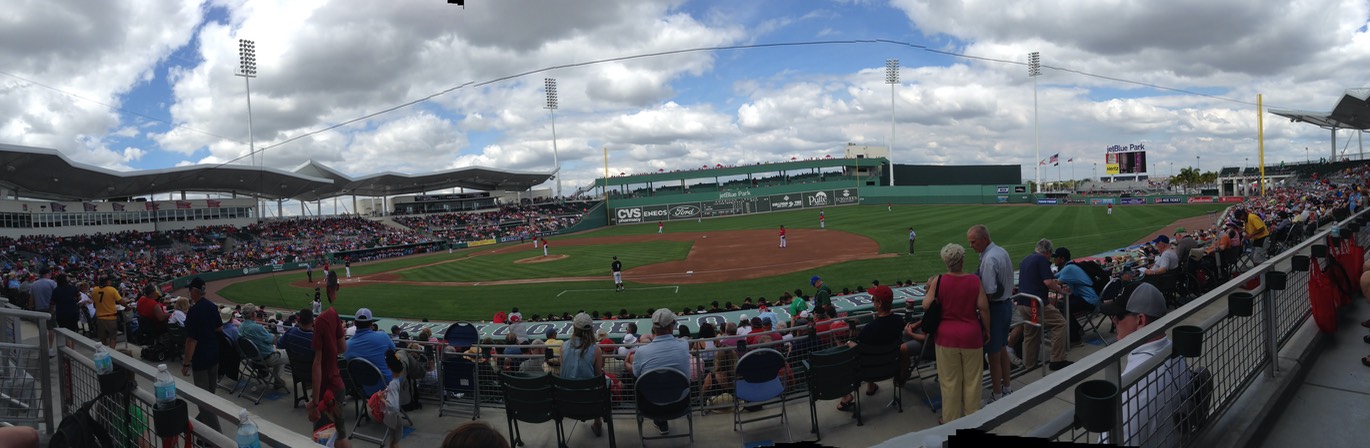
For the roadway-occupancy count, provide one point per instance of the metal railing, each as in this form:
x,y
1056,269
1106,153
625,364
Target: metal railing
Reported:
x,y
1236,350
131,422
25,389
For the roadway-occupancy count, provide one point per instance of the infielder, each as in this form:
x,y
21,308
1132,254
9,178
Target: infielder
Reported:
x,y
544,246
660,227
821,218
782,236
617,267
347,266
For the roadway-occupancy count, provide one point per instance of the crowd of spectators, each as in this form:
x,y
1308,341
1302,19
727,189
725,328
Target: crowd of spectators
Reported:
x,y
524,221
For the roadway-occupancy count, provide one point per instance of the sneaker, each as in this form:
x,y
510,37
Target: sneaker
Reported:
x,y
1013,357
1008,390
52,353
662,427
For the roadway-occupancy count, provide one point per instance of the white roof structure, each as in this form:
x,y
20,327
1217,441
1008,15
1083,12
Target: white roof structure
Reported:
x,y
1352,112
48,174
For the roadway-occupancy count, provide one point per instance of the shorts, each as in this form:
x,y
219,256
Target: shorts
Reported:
x,y
69,323
106,329
1000,315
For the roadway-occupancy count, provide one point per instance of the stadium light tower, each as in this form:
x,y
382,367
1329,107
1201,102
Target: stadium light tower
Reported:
x,y
1035,70
551,86
247,68
892,78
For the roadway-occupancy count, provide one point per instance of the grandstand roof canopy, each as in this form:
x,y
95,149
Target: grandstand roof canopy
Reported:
x,y
1352,112
48,174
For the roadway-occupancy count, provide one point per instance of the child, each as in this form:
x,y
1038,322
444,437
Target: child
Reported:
x,y
391,400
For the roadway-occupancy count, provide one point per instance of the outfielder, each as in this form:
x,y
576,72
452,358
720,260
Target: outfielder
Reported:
x,y
617,266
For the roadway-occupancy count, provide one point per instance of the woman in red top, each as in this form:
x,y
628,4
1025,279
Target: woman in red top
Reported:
x,y
961,335
151,313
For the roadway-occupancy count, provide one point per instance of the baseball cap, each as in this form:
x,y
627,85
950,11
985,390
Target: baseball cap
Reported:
x,y
1146,299
249,309
1162,239
814,280
663,318
364,315
1061,252
197,283
582,321
882,294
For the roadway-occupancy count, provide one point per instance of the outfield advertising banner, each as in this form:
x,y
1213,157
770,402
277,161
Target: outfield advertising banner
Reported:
x,y
1001,199
1231,199
1104,201
1047,202
1169,200
1201,200
1132,201
732,203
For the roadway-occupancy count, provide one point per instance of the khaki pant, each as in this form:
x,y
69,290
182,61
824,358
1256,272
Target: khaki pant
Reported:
x,y
958,372
1055,322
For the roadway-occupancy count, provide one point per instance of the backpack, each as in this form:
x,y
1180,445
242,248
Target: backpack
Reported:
x,y
1097,275
1196,397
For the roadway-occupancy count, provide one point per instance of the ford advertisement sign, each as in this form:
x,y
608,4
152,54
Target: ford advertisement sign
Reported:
x,y
684,211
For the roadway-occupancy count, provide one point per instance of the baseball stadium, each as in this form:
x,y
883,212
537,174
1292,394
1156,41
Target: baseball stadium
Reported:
x,y
726,245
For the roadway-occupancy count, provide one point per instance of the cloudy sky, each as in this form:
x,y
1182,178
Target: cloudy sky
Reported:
x,y
145,84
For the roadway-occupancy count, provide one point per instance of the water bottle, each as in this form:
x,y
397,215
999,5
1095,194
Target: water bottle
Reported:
x,y
247,431
165,386
103,364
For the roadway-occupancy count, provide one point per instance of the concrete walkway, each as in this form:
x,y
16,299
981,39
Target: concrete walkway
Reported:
x,y
1331,406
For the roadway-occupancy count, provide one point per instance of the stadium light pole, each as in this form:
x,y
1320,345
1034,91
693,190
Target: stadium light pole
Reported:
x,y
247,68
1035,70
892,78
551,86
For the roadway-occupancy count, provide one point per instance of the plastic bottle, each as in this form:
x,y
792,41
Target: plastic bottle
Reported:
x,y
247,431
165,386
103,363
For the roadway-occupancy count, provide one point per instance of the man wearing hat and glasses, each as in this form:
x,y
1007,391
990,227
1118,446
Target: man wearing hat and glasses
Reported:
x,y
665,351
1150,403
823,296
369,344
201,360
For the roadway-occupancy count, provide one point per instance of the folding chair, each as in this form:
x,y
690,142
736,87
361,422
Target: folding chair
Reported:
x,y
758,383
582,400
229,355
663,394
459,385
255,370
528,398
831,374
879,363
1089,321
926,359
301,375
368,380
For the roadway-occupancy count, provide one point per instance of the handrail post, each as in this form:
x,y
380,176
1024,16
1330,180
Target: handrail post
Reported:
x,y
1113,372
45,369
1274,281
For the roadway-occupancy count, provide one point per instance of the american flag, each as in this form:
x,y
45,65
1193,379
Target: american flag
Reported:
x,y
182,204
89,206
1056,158
118,207
58,207
1042,162
212,203
1070,160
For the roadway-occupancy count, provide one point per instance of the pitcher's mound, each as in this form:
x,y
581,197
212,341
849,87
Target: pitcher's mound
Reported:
x,y
545,259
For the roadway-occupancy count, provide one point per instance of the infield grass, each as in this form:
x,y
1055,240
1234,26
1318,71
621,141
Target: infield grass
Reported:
x,y
1084,230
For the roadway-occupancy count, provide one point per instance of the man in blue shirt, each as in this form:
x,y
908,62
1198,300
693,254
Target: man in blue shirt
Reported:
x,y
253,331
299,339
1083,297
665,351
1034,277
996,277
202,346
369,344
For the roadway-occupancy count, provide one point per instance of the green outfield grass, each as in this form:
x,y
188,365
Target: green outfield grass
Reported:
x,y
580,261
1084,229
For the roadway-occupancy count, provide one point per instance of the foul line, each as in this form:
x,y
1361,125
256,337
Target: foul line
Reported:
x,y
675,287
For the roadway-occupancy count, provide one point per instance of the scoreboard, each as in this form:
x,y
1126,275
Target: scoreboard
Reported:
x,y
1125,159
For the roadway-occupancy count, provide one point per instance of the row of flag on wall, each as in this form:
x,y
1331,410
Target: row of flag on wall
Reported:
x,y
119,206
1055,160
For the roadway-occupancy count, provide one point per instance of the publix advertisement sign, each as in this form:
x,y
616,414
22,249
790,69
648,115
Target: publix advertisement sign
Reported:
x,y
736,203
